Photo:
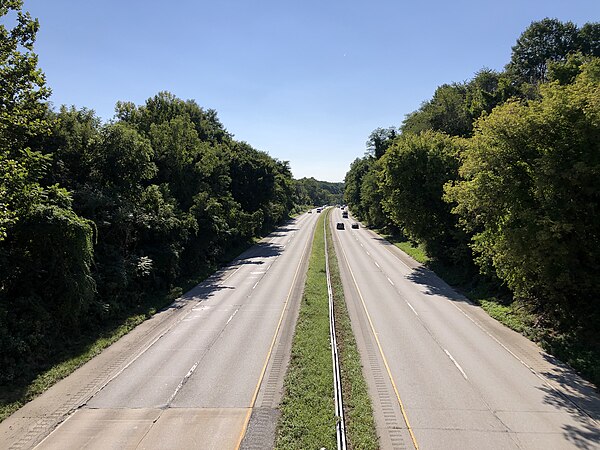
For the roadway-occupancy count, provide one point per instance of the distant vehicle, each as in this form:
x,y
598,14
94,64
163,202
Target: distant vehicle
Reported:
x,y
340,226
319,210
310,211
345,214
355,225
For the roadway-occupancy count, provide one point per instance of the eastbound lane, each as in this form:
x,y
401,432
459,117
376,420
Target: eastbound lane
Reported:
x,y
458,379
195,384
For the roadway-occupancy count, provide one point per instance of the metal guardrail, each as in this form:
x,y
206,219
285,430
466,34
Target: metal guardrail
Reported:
x,y
340,428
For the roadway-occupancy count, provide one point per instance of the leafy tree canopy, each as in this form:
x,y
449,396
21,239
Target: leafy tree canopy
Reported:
x,y
530,193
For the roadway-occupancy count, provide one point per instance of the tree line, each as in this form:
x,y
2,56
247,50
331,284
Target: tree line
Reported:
x,y
501,175
95,216
312,192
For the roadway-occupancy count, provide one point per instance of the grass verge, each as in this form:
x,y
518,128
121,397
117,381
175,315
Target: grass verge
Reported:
x,y
358,410
307,408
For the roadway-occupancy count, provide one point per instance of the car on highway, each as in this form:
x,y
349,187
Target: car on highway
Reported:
x,y
355,225
340,226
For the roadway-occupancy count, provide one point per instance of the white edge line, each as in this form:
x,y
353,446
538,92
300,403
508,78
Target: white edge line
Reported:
x,y
231,317
411,307
456,364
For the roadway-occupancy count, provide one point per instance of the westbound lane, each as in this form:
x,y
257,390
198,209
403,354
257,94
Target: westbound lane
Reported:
x,y
462,379
195,384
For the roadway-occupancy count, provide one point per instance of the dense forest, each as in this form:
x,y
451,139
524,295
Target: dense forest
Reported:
x,y
313,192
95,217
499,178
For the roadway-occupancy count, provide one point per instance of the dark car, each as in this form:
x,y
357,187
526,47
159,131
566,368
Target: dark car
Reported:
x,y
340,225
355,225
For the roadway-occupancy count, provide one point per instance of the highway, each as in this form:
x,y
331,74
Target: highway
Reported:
x,y
444,375
203,373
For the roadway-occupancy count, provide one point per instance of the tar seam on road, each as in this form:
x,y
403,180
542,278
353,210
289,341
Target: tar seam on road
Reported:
x,y
340,426
387,367
262,373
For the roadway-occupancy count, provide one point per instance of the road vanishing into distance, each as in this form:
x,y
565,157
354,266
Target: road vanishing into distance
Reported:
x,y
207,372
441,373
196,376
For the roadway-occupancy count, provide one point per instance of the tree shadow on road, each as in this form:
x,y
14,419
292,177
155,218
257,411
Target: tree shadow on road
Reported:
x,y
435,285
260,250
578,398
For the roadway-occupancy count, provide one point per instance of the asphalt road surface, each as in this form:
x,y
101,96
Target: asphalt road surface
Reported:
x,y
199,376
444,375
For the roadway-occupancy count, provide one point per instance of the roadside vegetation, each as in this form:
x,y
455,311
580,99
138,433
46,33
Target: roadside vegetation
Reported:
x,y
494,182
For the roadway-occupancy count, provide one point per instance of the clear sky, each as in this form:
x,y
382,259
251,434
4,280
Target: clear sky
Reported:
x,y
304,80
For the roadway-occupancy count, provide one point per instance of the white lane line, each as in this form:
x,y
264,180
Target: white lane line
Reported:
x,y
411,307
391,282
255,284
267,269
368,254
360,244
377,264
456,364
230,275
182,382
231,317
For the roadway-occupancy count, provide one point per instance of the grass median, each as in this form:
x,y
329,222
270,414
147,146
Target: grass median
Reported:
x,y
358,410
308,419
307,408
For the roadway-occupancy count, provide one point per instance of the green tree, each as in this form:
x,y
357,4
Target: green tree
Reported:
x,y
379,141
353,185
530,195
371,199
550,40
413,173
446,112
45,248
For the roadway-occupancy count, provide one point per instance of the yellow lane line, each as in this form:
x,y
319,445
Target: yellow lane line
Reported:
x,y
264,369
387,367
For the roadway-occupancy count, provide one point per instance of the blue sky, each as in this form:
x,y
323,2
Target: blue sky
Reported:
x,y
306,81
